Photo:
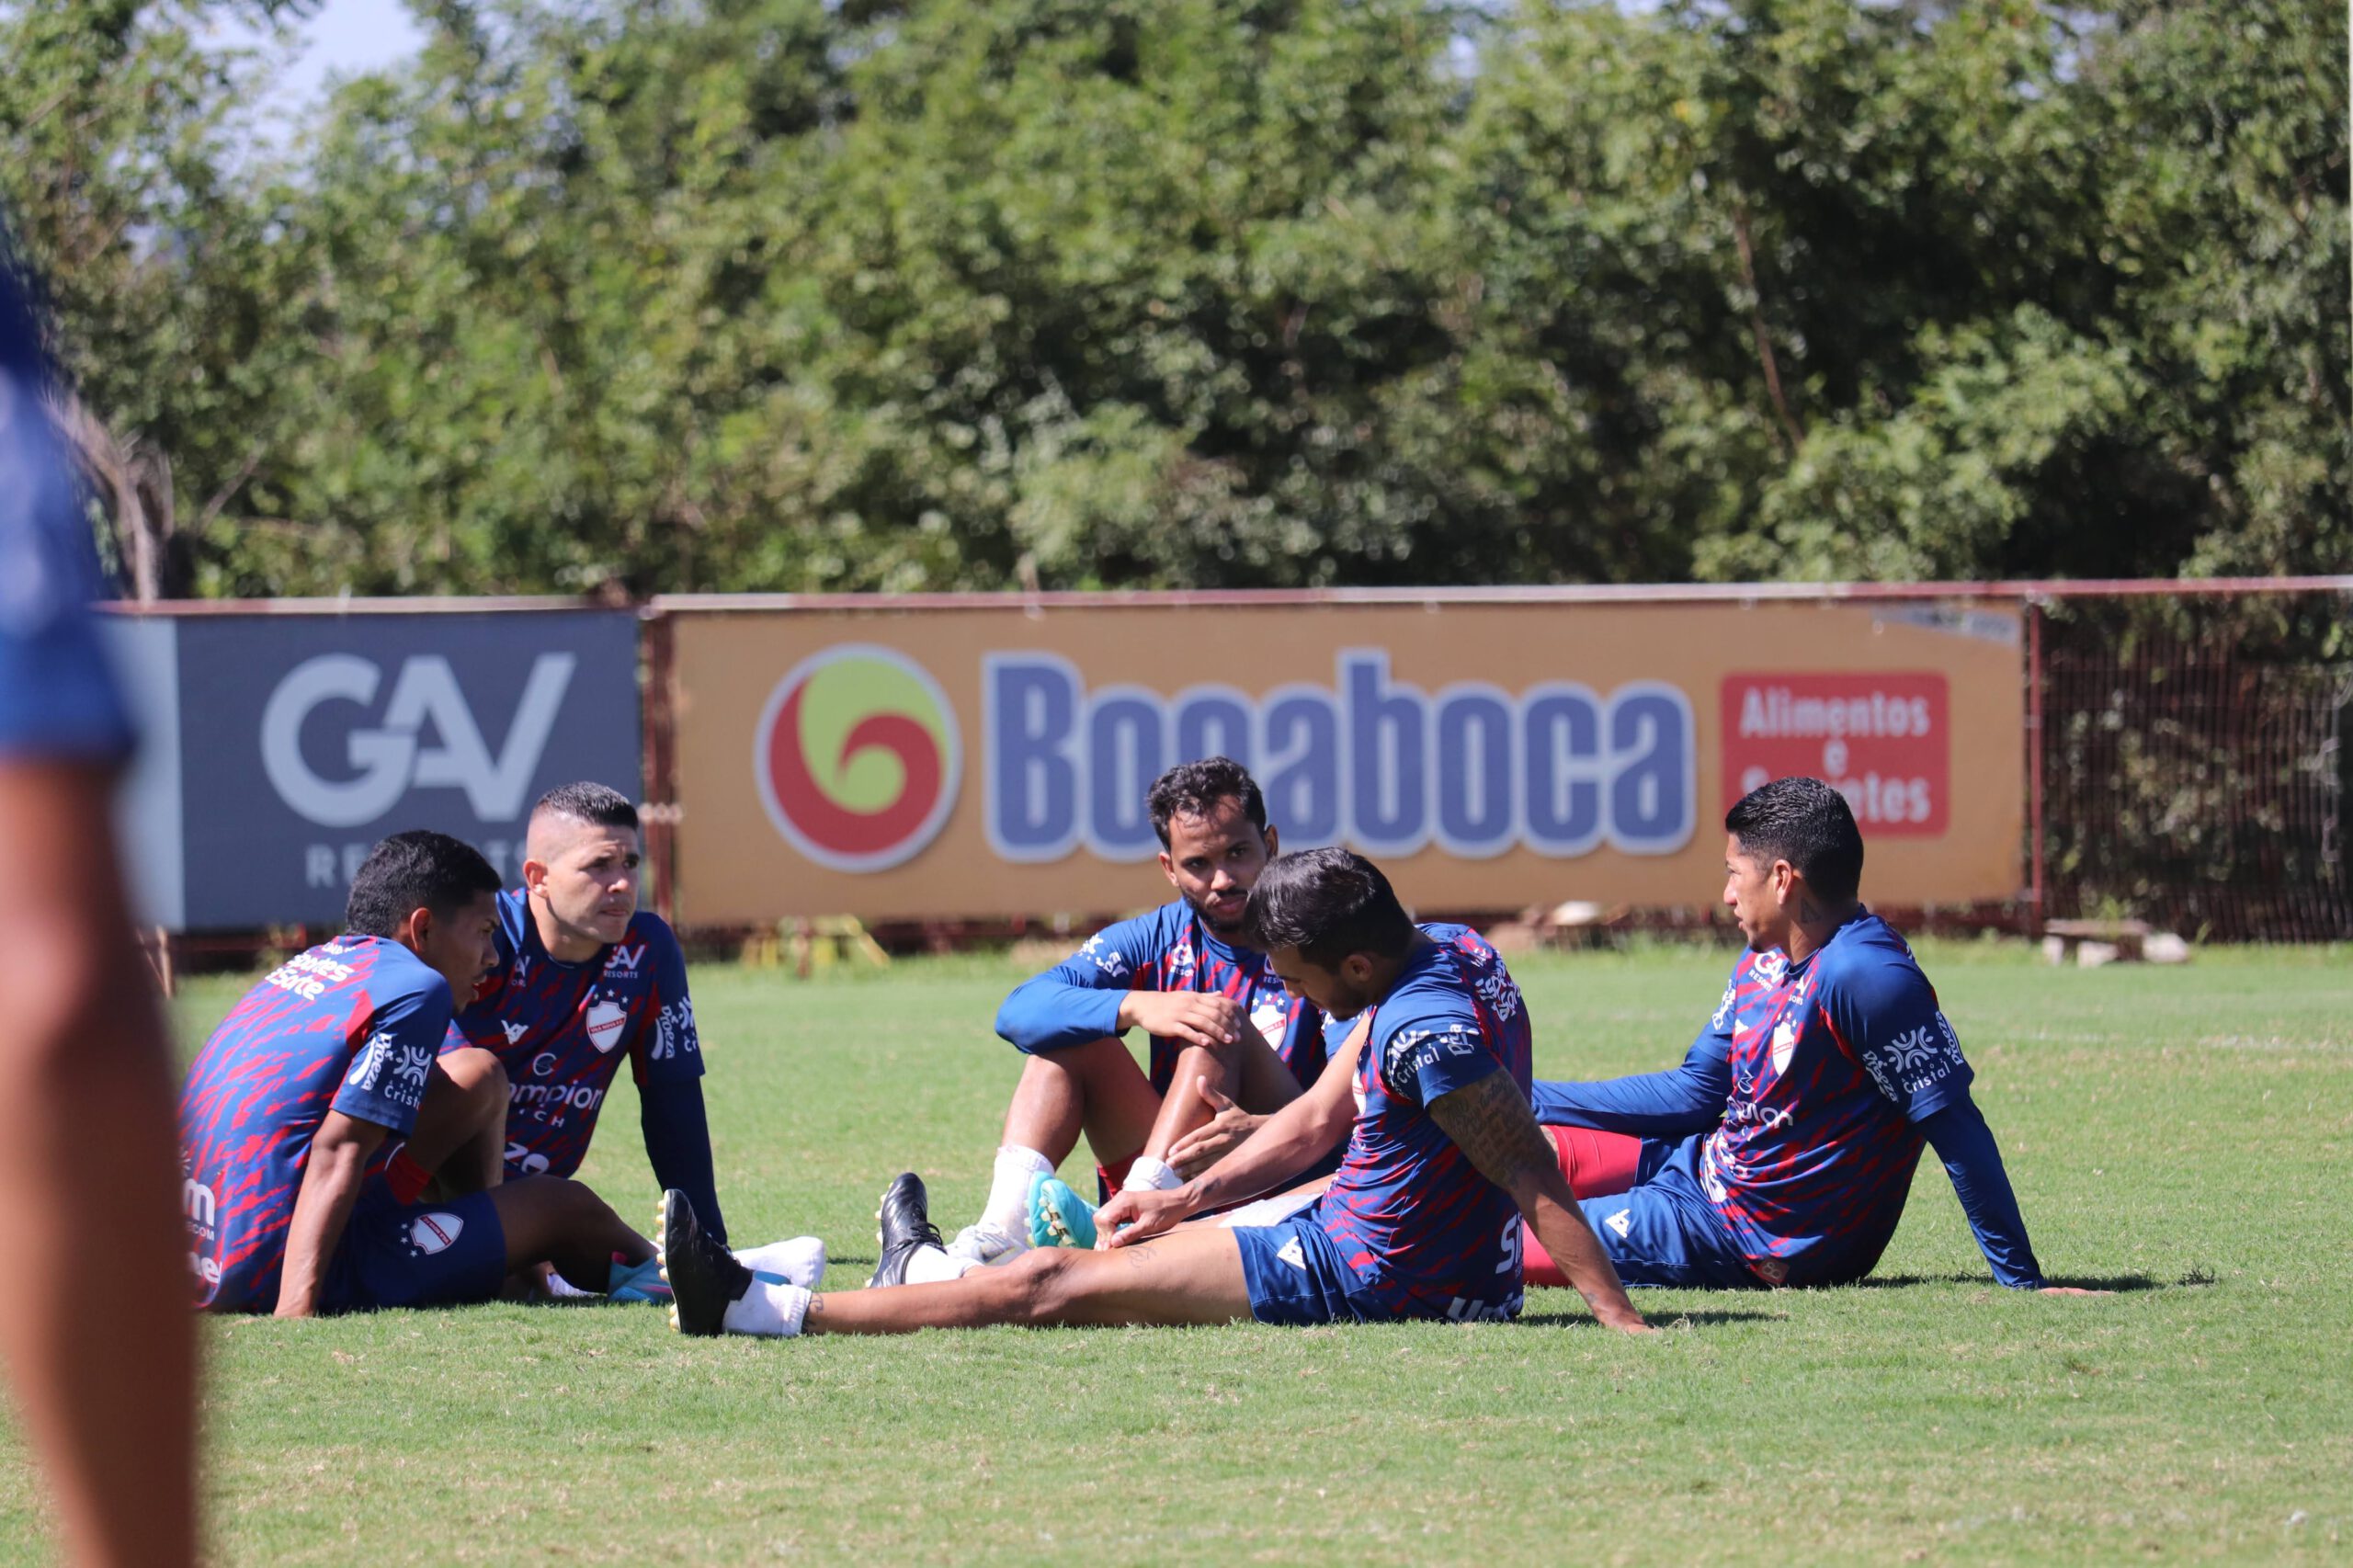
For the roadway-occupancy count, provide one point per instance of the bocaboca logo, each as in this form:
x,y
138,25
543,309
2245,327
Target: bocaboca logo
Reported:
x,y
857,757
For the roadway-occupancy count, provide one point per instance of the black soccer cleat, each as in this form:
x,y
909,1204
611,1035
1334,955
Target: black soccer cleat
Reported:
x,y
903,1223
704,1275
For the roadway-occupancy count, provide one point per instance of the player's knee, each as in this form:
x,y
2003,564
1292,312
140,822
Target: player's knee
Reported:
x,y
1039,1281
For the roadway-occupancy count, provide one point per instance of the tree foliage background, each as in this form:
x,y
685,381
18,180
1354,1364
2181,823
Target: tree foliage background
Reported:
x,y
666,295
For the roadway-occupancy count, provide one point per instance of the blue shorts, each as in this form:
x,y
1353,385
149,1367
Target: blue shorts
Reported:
x,y
1664,1232
1296,1274
416,1254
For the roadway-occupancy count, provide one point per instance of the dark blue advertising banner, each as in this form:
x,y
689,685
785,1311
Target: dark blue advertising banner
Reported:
x,y
304,739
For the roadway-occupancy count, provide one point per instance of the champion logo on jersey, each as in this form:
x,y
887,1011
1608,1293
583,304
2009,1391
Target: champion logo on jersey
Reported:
x,y
436,1232
625,958
605,1021
1294,1255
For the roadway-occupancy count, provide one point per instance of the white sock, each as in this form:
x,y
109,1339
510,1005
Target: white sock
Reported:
x,y
773,1311
930,1266
1008,1204
801,1261
1148,1175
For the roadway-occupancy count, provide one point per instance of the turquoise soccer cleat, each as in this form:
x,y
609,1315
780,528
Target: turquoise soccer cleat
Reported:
x,y
642,1283
1058,1216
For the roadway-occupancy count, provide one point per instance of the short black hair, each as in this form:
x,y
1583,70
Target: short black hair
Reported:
x,y
1194,789
593,803
1327,904
409,871
1808,824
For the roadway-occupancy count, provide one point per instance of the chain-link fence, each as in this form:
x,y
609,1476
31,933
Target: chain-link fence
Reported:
x,y
2193,768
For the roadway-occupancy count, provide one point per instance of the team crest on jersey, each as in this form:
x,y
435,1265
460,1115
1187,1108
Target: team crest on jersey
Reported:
x,y
605,1021
436,1232
1785,1045
1268,1017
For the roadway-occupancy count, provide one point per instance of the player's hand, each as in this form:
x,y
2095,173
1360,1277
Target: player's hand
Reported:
x,y
1196,1018
1137,1216
1626,1322
2069,1291
1214,1139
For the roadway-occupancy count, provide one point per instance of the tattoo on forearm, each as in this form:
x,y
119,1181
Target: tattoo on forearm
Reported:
x,y
1490,1122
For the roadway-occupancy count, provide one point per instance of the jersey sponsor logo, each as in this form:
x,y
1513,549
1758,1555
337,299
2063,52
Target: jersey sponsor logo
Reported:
x,y
857,757
384,761
543,1064
1411,1053
368,1065
434,1232
524,1162
547,1101
1370,760
200,1205
1111,960
624,958
674,1030
409,1070
308,975
1722,1014
605,1021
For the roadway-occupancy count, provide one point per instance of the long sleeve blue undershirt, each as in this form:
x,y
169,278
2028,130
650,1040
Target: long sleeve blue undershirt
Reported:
x,y
677,1145
1690,1099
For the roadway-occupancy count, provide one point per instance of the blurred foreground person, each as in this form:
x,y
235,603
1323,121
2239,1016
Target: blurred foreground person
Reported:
x,y
96,1329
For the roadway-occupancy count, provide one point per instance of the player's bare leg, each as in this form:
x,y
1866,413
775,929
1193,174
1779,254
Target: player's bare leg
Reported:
x,y
460,1133
1246,1074
96,1327
1093,1090
1188,1276
551,1220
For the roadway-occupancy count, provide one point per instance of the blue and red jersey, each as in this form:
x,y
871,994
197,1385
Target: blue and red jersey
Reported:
x,y
562,1030
1172,949
1424,1232
353,1026
58,698
1834,1060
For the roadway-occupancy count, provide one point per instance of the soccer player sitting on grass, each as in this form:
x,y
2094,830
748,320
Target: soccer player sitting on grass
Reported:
x,y
1422,1221
1781,1151
583,981
317,1116
1228,1042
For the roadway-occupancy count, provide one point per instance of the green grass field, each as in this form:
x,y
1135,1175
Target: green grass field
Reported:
x,y
2183,1135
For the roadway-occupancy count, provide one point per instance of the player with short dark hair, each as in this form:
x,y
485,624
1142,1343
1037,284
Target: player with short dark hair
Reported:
x,y
584,980
1227,1043
1781,1151
317,1114
99,1344
1423,1220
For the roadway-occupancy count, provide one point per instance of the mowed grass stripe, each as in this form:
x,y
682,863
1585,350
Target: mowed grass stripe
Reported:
x,y
2184,1133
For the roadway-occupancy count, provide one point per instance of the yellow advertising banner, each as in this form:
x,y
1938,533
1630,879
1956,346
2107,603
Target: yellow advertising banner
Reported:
x,y
991,759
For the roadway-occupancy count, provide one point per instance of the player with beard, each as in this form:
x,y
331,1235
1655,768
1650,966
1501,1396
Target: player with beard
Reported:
x,y
1227,1042
1444,1167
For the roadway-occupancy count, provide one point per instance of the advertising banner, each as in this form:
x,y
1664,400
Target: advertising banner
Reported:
x,y
305,738
980,761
